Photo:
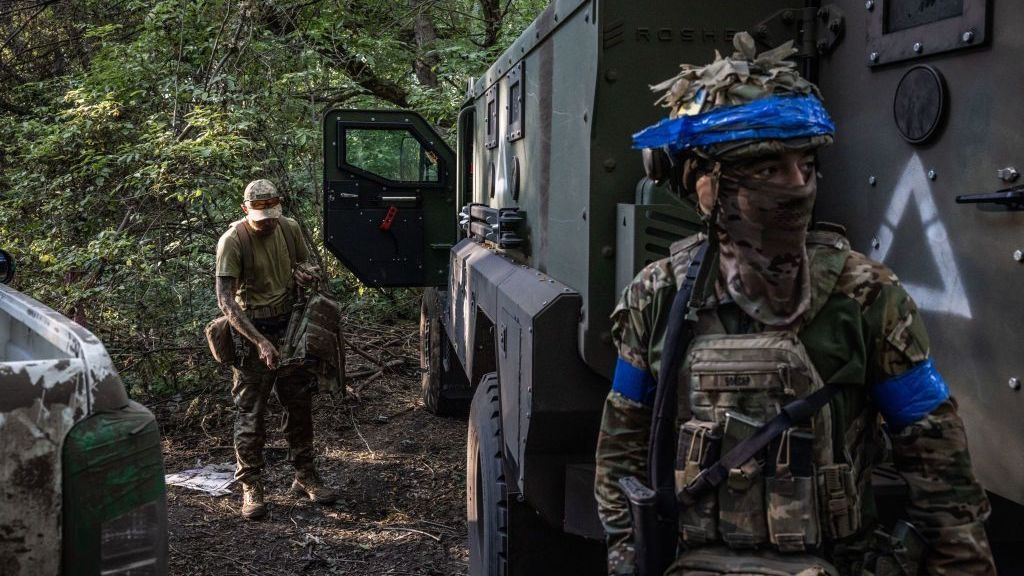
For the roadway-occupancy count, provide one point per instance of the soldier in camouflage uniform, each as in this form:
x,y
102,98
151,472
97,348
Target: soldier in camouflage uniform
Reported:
x,y
781,284
257,303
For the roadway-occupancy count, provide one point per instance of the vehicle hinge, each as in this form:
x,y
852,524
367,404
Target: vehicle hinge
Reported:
x,y
814,31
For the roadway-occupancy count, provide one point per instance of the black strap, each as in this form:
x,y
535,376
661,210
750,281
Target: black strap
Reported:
x,y
797,411
679,333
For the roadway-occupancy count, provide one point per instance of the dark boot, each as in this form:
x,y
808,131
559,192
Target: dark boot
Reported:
x,y
308,484
253,507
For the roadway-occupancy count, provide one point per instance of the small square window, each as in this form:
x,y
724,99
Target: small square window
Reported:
x,y
491,120
515,103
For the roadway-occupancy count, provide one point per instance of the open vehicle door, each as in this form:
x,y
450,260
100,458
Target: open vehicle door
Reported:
x,y
389,197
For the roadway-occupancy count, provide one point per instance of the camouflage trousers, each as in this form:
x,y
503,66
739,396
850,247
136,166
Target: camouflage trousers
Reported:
x,y
251,385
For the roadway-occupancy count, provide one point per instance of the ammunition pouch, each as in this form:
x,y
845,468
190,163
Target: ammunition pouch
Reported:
x,y
218,338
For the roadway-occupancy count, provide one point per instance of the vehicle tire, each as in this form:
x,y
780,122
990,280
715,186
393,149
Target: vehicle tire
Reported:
x,y
443,386
486,491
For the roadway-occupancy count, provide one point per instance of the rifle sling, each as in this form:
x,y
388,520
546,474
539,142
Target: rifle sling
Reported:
x,y
678,334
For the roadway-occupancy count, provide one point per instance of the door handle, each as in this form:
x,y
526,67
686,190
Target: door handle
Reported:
x,y
1011,198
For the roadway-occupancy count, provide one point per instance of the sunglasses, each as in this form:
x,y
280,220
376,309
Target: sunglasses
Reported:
x,y
264,204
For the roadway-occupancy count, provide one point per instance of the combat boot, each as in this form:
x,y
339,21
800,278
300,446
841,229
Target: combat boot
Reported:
x,y
309,484
253,507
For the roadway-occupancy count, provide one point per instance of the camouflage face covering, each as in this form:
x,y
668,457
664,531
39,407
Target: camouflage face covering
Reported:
x,y
762,228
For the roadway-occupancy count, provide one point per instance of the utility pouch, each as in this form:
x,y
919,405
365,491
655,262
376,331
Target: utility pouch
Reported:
x,y
741,518
218,338
700,446
793,524
840,501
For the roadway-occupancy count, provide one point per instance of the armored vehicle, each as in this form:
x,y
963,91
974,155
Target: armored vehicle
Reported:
x,y
527,232
81,472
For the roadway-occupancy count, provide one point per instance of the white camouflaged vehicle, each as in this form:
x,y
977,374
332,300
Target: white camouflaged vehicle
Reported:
x,y
81,472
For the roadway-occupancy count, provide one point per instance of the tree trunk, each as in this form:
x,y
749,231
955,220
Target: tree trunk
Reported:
x,y
426,61
492,21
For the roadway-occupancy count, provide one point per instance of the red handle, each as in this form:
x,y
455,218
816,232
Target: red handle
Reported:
x,y
385,225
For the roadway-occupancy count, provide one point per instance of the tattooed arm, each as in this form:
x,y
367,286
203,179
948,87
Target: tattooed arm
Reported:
x,y
240,322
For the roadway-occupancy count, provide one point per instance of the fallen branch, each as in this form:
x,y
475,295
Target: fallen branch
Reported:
x,y
361,437
363,353
402,529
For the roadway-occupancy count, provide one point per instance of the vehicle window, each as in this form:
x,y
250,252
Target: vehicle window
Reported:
x,y
392,154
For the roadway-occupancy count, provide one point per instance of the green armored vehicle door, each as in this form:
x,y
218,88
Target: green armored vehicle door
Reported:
x,y
925,97
389,197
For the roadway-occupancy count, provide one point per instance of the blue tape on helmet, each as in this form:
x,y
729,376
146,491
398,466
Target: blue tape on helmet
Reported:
x,y
771,118
907,398
634,383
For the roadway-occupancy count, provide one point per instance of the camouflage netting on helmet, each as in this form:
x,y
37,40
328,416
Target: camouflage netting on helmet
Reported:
x,y
739,79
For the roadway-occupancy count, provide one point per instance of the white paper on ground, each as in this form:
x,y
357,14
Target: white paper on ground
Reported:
x,y
214,479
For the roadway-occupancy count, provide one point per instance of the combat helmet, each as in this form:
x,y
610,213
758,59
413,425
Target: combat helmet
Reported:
x,y
739,107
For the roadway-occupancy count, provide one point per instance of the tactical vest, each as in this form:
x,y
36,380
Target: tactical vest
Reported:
x,y
798,492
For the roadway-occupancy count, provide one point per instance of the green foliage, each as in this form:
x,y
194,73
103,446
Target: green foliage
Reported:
x,y
128,130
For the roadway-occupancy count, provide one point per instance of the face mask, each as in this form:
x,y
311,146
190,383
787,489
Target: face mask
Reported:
x,y
762,228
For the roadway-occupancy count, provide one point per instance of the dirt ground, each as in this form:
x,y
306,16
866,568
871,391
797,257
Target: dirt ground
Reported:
x,y
399,470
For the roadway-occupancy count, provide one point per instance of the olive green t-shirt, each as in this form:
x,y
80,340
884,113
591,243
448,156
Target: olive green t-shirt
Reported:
x,y
268,291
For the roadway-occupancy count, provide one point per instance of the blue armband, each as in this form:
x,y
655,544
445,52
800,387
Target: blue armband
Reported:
x,y
634,383
907,398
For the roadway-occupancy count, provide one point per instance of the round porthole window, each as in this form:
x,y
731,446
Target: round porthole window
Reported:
x,y
919,106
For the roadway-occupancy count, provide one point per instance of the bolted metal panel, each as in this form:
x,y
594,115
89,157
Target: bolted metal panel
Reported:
x,y
898,202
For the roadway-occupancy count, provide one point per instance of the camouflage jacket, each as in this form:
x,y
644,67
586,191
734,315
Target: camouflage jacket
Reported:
x,y
870,332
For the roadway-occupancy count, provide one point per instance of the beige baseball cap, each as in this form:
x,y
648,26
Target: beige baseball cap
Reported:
x,y
261,189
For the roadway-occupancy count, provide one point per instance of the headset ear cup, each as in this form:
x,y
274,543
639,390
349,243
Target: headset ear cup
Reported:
x,y
657,164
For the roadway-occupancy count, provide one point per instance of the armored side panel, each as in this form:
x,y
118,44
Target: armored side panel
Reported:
x,y
67,427
924,99
549,131
562,154
549,397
